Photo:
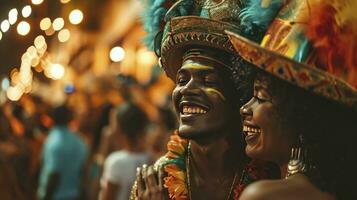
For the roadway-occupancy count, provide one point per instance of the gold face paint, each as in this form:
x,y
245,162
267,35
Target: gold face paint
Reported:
x,y
217,92
195,66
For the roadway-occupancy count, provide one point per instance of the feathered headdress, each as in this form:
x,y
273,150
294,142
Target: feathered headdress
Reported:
x,y
332,28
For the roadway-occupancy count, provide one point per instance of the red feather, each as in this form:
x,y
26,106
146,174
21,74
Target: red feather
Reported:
x,y
336,45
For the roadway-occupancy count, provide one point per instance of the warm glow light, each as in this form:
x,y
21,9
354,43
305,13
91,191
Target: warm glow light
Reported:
x,y
23,28
40,44
76,16
65,1
64,35
45,23
145,57
0,35
32,51
25,58
26,11
5,25
56,71
58,24
117,54
39,41
37,2
14,93
13,16
50,31
5,84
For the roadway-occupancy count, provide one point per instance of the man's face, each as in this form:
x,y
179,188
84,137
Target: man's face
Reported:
x,y
200,99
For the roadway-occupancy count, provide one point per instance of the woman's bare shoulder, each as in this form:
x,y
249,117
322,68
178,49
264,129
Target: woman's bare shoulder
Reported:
x,y
294,188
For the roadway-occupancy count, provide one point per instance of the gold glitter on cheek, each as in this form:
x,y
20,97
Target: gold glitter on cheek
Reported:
x,y
217,92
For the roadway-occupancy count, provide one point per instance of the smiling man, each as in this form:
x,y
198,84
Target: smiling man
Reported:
x,y
205,158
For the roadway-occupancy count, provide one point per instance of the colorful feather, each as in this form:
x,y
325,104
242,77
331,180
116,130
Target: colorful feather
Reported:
x,y
153,19
157,12
257,16
332,28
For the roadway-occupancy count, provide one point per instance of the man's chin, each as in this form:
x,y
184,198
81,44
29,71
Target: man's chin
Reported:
x,y
189,133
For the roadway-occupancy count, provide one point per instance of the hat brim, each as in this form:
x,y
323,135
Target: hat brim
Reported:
x,y
299,74
184,33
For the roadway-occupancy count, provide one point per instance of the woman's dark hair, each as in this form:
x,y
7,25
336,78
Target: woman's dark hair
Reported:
x,y
329,132
132,120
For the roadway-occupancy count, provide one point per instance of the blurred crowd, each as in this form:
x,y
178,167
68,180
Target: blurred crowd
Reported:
x,y
86,147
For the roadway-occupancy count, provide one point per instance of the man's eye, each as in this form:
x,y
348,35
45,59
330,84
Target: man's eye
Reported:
x,y
181,80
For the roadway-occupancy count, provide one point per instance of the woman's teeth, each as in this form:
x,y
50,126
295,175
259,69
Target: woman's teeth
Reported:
x,y
193,110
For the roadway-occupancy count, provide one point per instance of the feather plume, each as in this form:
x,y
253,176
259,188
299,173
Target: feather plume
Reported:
x,y
157,12
332,28
153,19
257,16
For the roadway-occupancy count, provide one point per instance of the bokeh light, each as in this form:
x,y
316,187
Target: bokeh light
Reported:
x,y
5,25
76,16
5,83
14,93
145,57
64,35
58,24
45,23
13,16
55,71
65,1
117,54
23,28
26,11
36,2
0,35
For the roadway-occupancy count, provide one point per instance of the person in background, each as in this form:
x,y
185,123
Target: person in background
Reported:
x,y
119,167
63,157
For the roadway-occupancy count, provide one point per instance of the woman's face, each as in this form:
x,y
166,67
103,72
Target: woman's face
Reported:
x,y
267,137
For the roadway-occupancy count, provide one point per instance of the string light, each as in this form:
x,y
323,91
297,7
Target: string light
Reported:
x,y
45,23
64,35
14,93
55,71
58,24
23,28
5,25
76,16
117,54
36,2
65,1
26,11
13,16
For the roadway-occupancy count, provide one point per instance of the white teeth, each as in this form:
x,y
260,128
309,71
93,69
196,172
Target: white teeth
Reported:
x,y
251,129
192,110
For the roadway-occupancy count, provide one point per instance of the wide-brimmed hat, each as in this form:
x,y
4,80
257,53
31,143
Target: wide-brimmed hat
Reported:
x,y
195,24
311,44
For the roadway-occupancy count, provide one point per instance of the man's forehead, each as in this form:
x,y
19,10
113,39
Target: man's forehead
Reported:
x,y
194,65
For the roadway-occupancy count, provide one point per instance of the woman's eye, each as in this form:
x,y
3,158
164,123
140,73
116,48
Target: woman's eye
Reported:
x,y
260,100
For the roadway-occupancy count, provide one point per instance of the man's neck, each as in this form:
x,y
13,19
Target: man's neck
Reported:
x,y
216,158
